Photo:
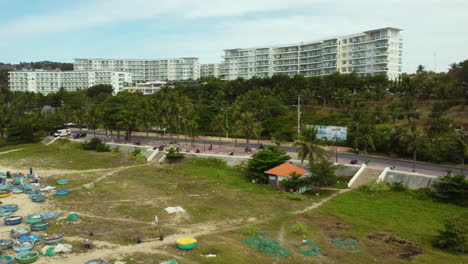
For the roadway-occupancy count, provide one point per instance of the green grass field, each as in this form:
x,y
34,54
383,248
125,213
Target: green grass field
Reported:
x,y
62,155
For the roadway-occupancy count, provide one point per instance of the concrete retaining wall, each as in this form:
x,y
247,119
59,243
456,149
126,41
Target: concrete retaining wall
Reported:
x,y
411,180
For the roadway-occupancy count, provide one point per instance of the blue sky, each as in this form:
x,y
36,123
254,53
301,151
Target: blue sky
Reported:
x,y
60,30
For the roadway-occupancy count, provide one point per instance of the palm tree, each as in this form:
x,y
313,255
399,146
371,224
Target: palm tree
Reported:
x,y
365,138
92,118
461,136
308,146
420,69
146,114
247,125
413,138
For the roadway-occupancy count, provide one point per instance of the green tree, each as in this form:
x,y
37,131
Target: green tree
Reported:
x,y
100,90
295,182
413,139
264,160
454,236
365,138
322,173
309,146
246,125
451,189
92,118
461,136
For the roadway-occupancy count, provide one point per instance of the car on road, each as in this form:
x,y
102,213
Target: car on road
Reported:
x,y
79,135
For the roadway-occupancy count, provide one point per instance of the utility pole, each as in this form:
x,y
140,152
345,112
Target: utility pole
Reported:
x,y
298,116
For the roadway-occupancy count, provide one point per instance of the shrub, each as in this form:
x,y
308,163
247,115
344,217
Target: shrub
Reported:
x,y
299,228
101,147
96,144
376,186
249,230
421,194
138,154
453,237
451,190
91,145
397,187
2,142
116,149
173,156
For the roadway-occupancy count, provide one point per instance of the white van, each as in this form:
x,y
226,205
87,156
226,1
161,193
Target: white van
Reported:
x,y
62,133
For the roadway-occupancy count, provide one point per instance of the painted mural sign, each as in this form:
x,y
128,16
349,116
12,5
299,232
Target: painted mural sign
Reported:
x,y
331,133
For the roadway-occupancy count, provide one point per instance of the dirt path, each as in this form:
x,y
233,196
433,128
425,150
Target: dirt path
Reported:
x,y
316,205
8,151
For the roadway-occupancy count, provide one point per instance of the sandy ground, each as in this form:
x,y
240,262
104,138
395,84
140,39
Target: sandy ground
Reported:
x,y
106,250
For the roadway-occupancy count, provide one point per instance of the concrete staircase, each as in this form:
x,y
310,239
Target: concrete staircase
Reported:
x,y
365,176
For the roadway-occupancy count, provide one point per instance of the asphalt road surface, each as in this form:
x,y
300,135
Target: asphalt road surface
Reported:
x,y
343,157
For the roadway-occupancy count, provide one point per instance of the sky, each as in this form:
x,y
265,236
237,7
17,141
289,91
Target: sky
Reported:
x,y
435,33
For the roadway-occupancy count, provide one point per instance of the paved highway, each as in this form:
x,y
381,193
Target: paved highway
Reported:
x,y
344,157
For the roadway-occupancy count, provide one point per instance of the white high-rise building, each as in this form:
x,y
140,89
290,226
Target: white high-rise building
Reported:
x,y
376,51
210,70
40,81
145,70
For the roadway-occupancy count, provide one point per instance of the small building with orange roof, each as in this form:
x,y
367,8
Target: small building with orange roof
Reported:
x,y
281,172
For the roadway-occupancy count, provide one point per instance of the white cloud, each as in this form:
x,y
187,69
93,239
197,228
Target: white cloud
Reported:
x,y
429,26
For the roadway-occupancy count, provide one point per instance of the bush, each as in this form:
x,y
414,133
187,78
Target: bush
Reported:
x,y
421,194
453,237
294,196
96,144
376,186
173,156
116,149
397,187
451,190
299,228
249,230
2,142
138,154
101,147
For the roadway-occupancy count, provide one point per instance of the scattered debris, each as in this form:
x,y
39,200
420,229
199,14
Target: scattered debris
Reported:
x,y
209,255
173,210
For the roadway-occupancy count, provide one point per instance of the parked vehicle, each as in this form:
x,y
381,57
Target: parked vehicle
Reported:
x,y
62,133
79,135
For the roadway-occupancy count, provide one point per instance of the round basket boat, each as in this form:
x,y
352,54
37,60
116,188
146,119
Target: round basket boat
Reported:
x,y
38,198
22,246
32,193
4,194
61,192
11,208
63,182
16,190
6,244
39,226
96,261
88,186
5,212
53,238
6,259
20,231
186,243
34,218
27,257
34,238
13,220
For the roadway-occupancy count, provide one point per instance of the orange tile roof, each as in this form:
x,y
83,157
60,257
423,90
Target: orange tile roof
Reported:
x,y
285,170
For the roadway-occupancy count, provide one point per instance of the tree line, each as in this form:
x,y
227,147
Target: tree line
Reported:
x,y
381,114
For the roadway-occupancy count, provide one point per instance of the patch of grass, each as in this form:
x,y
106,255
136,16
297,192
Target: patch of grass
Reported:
x,y
63,155
299,228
